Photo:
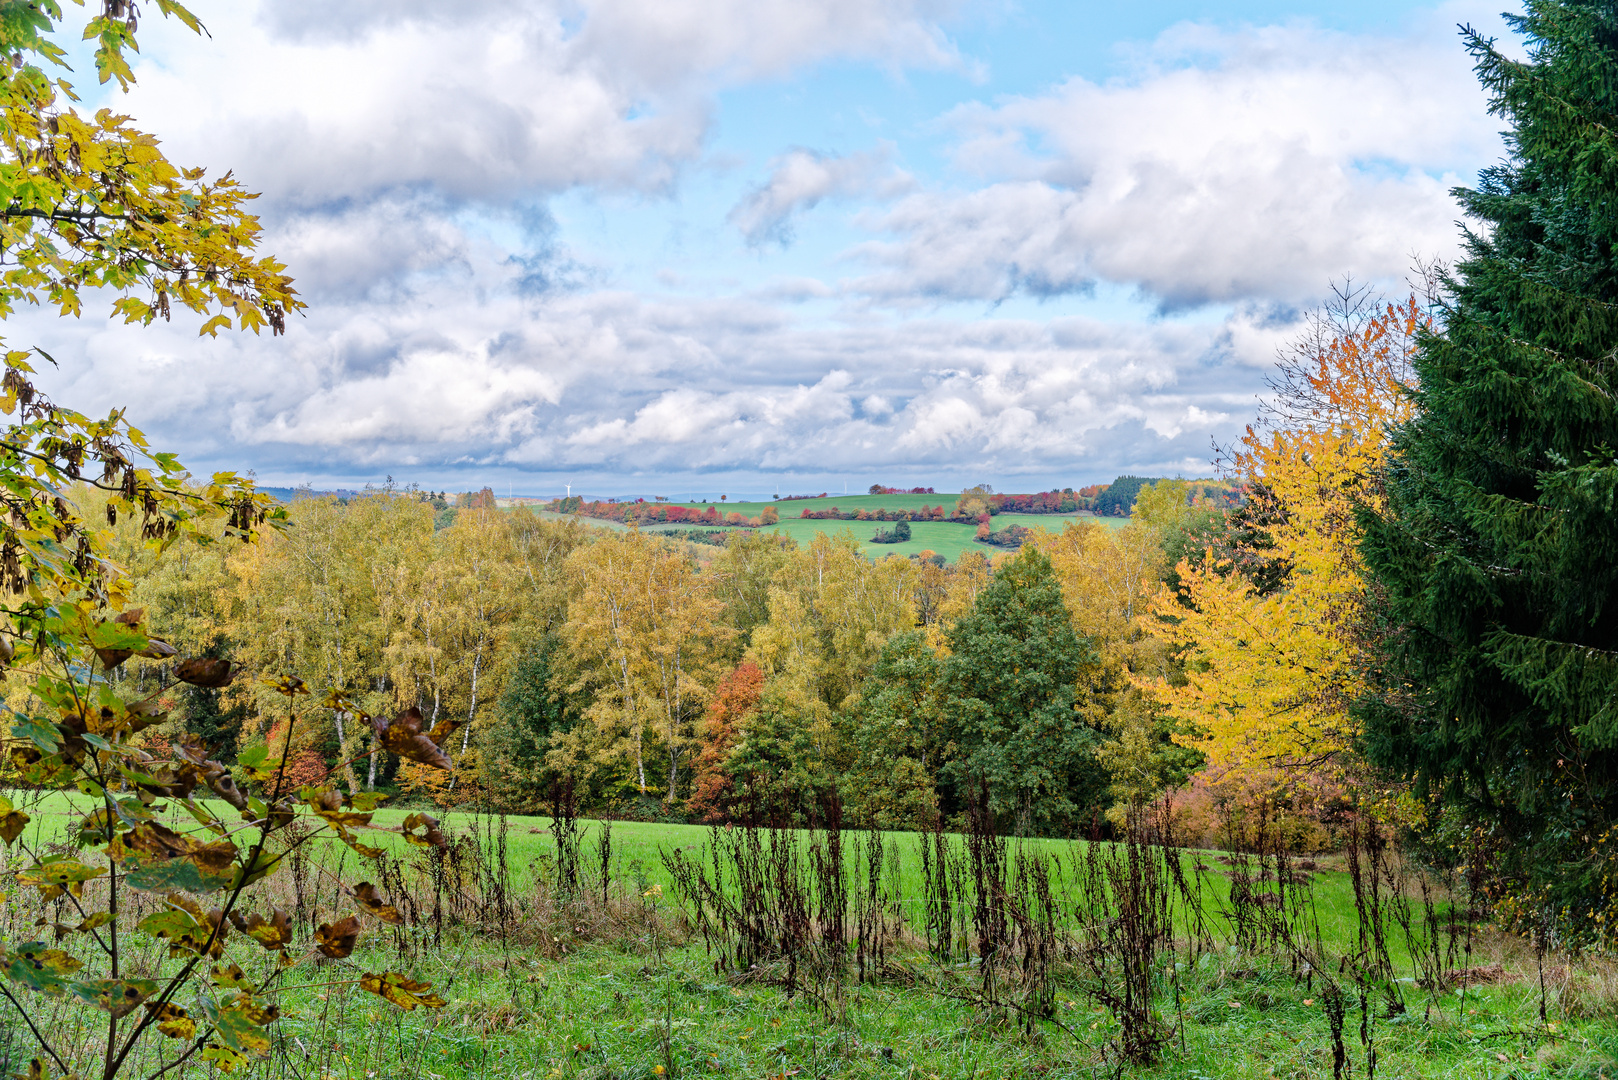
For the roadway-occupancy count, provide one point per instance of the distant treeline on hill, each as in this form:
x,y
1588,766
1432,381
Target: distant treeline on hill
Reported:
x,y
641,512
975,505
1117,499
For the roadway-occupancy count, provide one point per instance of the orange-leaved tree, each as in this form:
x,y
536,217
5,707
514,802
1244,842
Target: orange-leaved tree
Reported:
x,y
734,700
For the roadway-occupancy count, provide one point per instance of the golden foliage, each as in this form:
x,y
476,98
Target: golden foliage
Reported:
x,y
1269,675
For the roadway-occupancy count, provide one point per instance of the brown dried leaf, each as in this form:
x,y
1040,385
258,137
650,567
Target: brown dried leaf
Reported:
x,y
157,649
163,842
274,933
195,756
371,902
402,990
12,821
209,674
338,939
430,836
403,736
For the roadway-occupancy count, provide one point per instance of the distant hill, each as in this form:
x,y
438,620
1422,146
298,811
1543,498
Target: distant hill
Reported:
x,y
287,494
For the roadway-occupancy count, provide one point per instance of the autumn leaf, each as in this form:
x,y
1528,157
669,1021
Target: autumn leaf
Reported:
x,y
186,927
208,674
403,736
162,842
41,968
120,997
173,1021
274,933
223,1058
371,902
240,1024
230,975
288,685
337,940
402,990
12,821
430,836
54,878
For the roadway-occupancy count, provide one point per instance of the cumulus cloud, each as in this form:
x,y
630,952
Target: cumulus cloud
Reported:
x,y
408,149
799,180
314,102
612,383
1229,165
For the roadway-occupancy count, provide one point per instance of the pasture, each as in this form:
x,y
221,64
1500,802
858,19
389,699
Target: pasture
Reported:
x,y
947,538
612,978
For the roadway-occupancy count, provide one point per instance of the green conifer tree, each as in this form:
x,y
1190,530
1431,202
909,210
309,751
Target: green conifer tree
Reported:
x,y
1008,686
1495,559
534,706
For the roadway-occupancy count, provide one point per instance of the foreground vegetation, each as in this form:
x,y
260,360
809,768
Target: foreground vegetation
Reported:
x,y
606,973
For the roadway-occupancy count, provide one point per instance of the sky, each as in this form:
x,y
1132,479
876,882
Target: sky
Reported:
x,y
758,246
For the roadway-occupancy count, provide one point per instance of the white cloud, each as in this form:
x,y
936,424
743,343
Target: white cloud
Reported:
x,y
799,180
407,150
609,382
313,103
1229,166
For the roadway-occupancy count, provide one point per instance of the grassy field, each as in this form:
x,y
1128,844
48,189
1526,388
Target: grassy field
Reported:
x,y
623,991
947,538
639,848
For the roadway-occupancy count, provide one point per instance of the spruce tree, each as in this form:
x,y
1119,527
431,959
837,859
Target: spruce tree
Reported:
x,y
1494,558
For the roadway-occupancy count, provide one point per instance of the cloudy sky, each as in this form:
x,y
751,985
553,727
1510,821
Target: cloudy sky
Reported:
x,y
692,246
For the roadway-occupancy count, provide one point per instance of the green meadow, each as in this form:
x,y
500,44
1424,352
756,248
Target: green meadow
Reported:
x,y
947,538
628,991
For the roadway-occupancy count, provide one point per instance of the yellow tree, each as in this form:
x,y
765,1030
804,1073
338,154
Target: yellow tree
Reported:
x,y
1269,671
313,601
831,612
644,631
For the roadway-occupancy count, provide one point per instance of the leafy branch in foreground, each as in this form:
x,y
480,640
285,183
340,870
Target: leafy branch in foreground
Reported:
x,y
206,874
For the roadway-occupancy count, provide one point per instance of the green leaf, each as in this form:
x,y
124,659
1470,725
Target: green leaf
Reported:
x,y
120,997
240,1024
41,968
178,875
41,733
262,867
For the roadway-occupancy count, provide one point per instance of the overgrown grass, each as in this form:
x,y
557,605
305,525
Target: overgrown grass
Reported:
x,y
616,1011
639,849
542,985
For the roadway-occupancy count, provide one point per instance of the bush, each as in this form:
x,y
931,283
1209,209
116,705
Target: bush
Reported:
x,y
896,535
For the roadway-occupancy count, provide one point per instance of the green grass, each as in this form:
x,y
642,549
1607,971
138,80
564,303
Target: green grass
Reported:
x,y
947,538
566,1005
604,1013
638,850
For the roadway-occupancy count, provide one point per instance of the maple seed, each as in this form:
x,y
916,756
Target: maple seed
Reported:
x,y
208,674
